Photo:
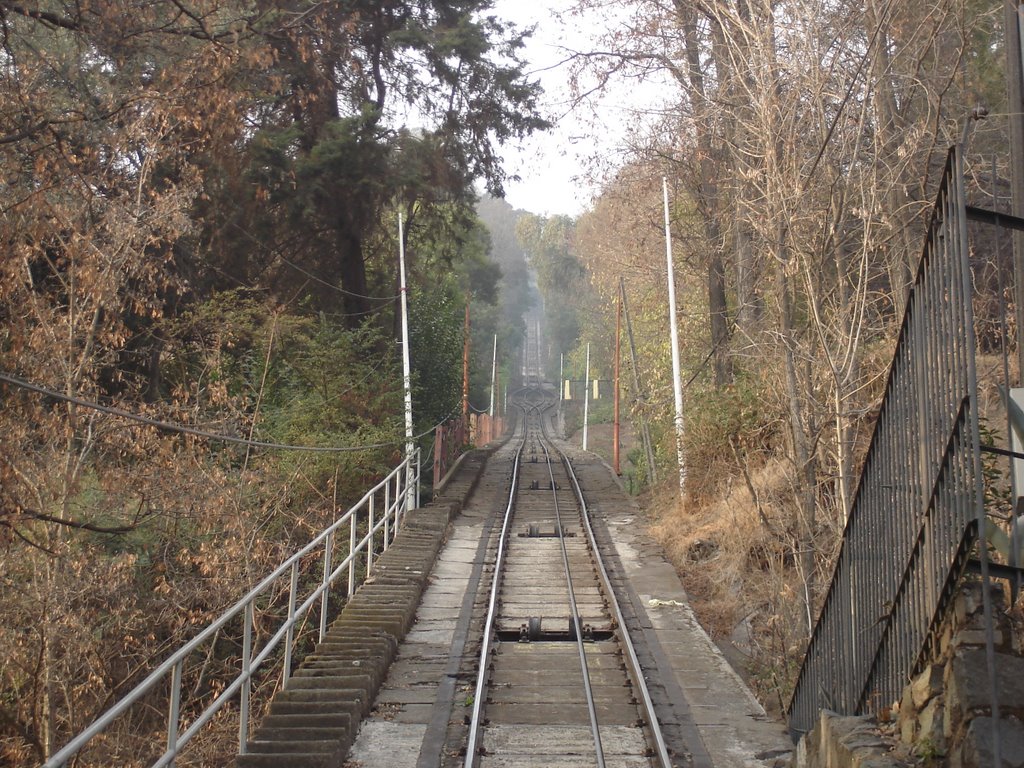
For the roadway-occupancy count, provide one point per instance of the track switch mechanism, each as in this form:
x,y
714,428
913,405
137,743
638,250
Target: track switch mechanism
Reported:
x,y
534,532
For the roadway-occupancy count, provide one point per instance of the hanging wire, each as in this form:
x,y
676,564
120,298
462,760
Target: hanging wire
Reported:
x,y
166,426
277,255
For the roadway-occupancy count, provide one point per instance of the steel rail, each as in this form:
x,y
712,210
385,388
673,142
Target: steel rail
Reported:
x,y
485,644
595,728
634,661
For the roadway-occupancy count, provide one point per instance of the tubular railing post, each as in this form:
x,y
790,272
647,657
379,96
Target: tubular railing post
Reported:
x,y
412,487
369,538
387,506
399,504
325,584
289,640
387,525
174,715
243,716
352,554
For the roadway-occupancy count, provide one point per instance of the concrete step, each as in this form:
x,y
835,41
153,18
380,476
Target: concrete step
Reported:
x,y
316,708
333,681
314,733
312,723
293,760
327,746
309,719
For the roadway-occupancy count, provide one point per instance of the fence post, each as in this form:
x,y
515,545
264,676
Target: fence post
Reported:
x,y
289,640
370,535
440,457
328,546
243,715
352,554
398,498
173,717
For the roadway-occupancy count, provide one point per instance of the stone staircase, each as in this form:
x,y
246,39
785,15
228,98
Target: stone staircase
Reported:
x,y
313,723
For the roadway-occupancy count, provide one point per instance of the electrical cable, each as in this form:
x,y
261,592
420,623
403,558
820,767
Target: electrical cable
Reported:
x,y
276,254
187,430
342,291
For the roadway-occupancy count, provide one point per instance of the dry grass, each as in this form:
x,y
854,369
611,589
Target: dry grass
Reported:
x,y
734,556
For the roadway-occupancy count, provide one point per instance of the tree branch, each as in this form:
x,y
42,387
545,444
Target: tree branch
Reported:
x,y
46,17
70,523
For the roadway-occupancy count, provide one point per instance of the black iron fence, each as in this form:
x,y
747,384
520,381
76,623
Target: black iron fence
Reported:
x,y
916,513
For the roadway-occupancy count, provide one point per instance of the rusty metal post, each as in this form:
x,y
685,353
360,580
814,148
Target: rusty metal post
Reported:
x,y
465,366
440,459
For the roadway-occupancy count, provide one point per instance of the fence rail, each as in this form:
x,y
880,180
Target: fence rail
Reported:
x,y
485,428
381,510
918,505
450,440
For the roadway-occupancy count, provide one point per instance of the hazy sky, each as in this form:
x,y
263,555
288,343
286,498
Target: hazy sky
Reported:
x,y
557,167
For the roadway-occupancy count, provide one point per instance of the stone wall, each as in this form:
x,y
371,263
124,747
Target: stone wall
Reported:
x,y
838,741
944,718
946,713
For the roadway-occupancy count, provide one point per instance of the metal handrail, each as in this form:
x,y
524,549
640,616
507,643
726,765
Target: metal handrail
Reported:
x,y
396,503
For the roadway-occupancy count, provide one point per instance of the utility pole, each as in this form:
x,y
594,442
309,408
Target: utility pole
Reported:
x,y
561,392
561,379
1013,12
586,400
410,445
638,392
494,374
615,420
677,383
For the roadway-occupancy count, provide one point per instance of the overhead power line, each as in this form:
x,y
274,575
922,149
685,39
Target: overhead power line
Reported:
x,y
184,429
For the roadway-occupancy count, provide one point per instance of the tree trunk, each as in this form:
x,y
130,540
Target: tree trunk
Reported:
x,y
887,145
352,270
803,458
719,319
707,195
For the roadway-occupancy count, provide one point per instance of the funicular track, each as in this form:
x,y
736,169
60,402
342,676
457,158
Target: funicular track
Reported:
x,y
558,681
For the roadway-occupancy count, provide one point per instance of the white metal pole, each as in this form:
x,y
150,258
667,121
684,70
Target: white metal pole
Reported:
x,y
561,378
677,383
586,401
410,446
561,394
494,374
